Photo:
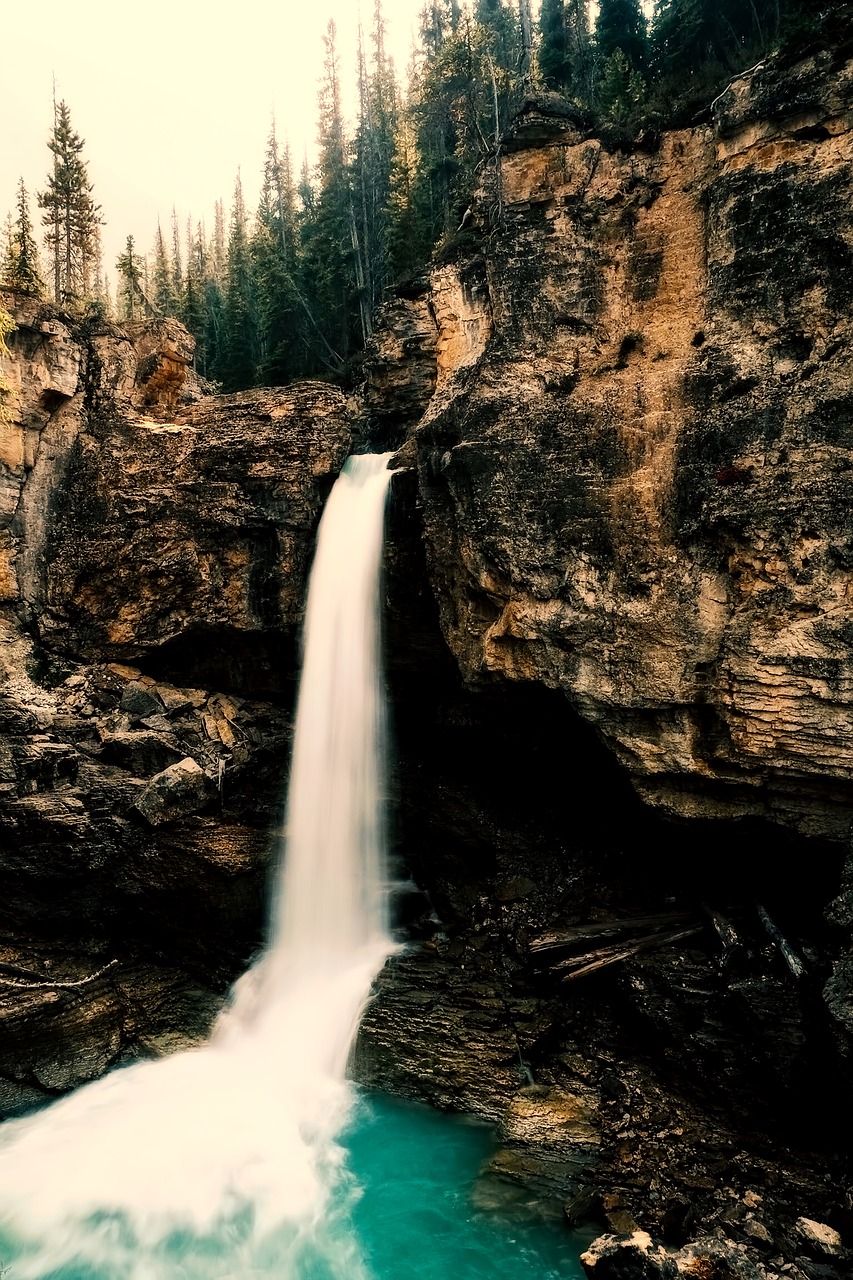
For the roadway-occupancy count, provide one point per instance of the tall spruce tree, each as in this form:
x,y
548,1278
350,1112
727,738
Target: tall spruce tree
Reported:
x,y
373,164
621,25
193,310
276,260
131,296
690,34
241,335
330,257
553,56
503,31
71,217
164,296
21,269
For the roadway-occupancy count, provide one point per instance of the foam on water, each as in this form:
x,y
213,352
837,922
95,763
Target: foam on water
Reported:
x,y
222,1161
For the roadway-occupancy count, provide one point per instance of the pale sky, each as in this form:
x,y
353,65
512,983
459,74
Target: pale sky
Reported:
x,y
171,96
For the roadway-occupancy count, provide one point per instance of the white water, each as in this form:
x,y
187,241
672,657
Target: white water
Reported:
x,y
163,1167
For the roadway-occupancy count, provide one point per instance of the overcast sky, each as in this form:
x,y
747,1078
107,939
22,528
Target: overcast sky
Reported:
x,y
171,96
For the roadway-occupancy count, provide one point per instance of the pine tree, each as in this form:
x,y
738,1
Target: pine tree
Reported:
x,y
8,250
217,247
375,147
70,214
275,256
177,268
503,32
621,25
21,266
621,93
193,302
164,296
690,34
131,294
554,62
240,312
330,261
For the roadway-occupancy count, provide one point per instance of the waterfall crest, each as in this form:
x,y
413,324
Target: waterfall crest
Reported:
x,y
239,1137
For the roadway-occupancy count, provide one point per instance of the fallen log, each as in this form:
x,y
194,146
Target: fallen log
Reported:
x,y
597,928
595,960
793,961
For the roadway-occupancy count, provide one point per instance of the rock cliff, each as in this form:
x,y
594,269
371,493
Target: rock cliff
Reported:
x,y
155,550
620,661
634,473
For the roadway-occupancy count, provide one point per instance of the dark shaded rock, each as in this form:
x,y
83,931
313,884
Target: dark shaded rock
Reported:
x,y
139,700
175,793
142,753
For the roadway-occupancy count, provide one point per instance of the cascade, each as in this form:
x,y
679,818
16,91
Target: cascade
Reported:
x,y
164,1167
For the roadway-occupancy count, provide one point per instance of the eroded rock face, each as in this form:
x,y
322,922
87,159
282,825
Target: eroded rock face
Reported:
x,y
635,482
156,549
194,533
635,472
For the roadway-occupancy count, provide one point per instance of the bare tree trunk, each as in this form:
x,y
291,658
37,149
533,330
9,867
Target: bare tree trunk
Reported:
x,y
526,38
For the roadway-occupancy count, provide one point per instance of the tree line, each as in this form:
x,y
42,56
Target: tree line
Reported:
x,y
292,289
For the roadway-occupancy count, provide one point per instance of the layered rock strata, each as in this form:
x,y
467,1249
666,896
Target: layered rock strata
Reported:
x,y
156,547
635,483
619,611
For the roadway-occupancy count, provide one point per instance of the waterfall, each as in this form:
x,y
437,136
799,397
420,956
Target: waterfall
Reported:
x,y
232,1147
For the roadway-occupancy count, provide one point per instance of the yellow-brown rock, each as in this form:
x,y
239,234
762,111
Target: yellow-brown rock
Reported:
x,y
636,468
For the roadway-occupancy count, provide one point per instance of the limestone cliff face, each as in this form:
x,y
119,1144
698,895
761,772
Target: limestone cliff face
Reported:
x,y
635,471
155,548
634,475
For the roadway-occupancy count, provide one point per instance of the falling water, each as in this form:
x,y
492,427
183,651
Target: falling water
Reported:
x,y
222,1161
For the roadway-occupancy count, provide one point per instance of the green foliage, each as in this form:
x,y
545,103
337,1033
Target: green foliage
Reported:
x,y
565,57
165,294
622,94
373,168
21,268
275,258
621,26
240,356
71,217
329,231
131,296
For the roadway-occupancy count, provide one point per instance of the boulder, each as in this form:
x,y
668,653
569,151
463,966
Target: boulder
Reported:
x,y
178,791
633,1257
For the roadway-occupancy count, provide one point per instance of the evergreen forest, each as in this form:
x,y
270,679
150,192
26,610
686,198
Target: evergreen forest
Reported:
x,y
285,283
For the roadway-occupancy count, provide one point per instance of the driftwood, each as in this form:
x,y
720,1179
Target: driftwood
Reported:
x,y
570,937
793,961
594,960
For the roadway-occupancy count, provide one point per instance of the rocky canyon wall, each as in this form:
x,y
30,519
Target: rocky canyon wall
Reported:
x,y
635,471
619,637
633,459
156,545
